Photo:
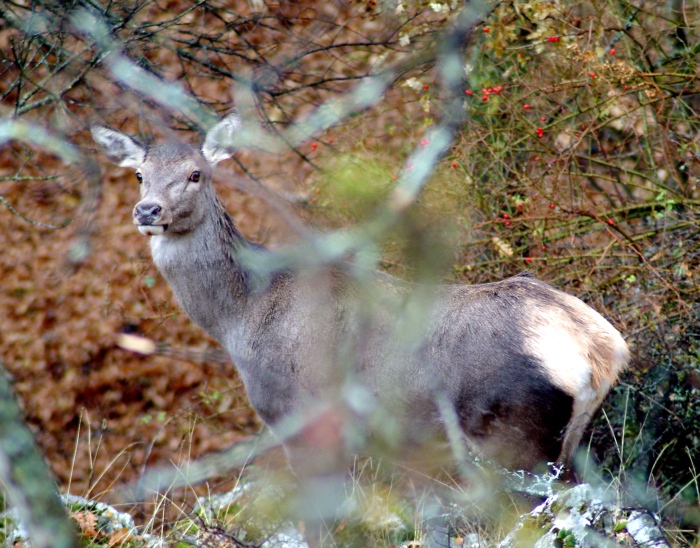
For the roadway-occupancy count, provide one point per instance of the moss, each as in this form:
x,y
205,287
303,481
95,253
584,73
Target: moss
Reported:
x,y
566,538
620,526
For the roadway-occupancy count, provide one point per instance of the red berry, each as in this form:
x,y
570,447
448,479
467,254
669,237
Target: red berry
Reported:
x,y
485,98
486,29
498,89
528,259
612,51
537,158
527,107
426,86
591,74
551,206
505,215
544,248
626,88
543,118
553,39
454,164
540,132
314,146
469,92
507,223
611,222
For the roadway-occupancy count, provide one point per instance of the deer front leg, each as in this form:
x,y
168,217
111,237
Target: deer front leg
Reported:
x,y
320,460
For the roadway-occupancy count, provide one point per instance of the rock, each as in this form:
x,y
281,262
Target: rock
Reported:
x,y
582,517
96,520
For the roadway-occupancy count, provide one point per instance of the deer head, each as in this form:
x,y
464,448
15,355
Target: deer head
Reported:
x,y
175,179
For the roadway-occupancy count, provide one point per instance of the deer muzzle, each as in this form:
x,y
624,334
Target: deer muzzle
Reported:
x,y
149,217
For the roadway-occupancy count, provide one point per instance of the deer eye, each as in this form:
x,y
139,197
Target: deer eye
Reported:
x,y
139,177
195,176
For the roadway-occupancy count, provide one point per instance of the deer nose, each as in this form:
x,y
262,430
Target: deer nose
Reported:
x,y
147,214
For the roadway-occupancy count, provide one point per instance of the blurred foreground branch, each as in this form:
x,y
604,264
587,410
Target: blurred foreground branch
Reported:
x,y
27,480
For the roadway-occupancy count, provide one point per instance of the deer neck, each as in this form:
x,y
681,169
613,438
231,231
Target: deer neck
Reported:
x,y
204,272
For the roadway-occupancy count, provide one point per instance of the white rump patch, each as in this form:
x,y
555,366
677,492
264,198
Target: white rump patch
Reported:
x,y
581,356
151,230
562,356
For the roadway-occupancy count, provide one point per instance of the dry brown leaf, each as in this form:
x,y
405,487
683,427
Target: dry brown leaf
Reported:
x,y
118,538
87,521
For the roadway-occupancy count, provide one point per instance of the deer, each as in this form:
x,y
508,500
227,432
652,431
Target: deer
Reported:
x,y
523,366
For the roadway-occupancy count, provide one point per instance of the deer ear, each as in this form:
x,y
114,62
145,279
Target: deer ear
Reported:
x,y
219,143
118,147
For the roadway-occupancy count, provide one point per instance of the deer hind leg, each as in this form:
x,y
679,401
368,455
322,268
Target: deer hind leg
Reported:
x,y
519,431
585,406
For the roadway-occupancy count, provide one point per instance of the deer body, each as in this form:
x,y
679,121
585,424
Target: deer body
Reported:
x,y
524,365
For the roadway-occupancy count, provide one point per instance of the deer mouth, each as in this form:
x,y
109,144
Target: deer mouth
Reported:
x,y
152,230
